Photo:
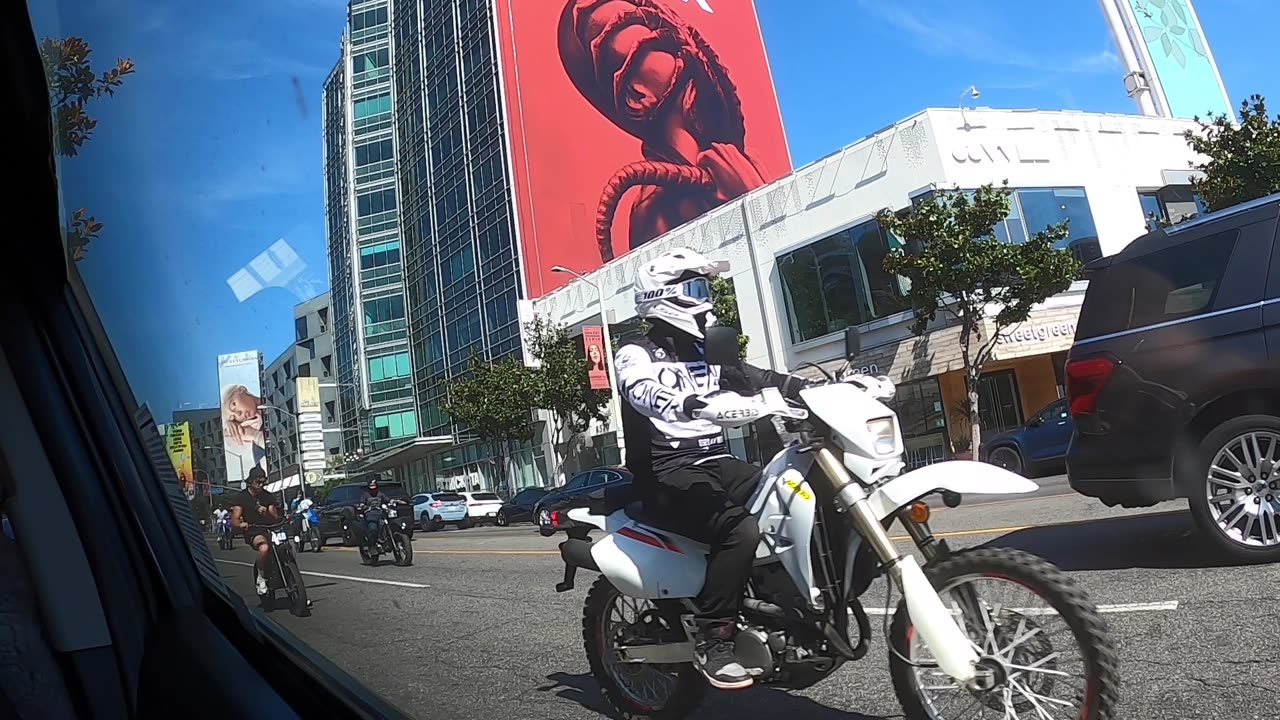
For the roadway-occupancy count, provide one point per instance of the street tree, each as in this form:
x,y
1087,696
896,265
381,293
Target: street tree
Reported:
x,y
1243,159
563,387
959,269
495,401
724,303
73,84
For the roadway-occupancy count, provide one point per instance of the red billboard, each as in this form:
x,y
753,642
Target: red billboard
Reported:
x,y
628,118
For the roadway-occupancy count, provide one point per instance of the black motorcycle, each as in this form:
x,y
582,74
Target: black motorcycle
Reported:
x,y
394,533
282,571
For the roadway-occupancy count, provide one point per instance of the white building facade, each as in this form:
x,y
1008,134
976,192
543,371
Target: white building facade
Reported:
x,y
806,252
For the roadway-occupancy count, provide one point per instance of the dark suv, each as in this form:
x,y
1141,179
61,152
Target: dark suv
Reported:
x,y
1174,377
339,508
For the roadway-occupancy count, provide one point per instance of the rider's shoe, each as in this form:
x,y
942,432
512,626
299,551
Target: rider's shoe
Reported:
x,y
262,586
715,658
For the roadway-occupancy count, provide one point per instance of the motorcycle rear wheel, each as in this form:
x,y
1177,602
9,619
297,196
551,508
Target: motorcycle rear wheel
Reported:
x,y
599,631
1025,674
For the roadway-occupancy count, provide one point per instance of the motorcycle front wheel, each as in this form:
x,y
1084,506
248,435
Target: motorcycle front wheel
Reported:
x,y
404,549
1043,646
636,692
296,588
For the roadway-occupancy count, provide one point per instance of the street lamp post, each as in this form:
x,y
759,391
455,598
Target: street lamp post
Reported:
x,y
239,460
615,402
280,460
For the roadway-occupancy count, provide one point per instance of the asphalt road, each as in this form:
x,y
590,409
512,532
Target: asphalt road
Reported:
x,y
481,632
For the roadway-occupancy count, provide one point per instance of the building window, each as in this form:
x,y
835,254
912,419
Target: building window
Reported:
x,y
376,211
386,367
369,25
1170,206
390,377
370,67
375,161
384,320
300,328
380,265
1044,207
372,114
394,425
840,281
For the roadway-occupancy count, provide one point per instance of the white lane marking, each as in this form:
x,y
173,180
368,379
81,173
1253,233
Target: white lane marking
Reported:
x,y
373,581
1167,606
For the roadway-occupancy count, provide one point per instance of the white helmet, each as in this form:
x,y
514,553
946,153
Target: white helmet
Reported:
x,y
675,287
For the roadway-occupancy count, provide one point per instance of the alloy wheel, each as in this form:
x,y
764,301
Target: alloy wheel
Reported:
x,y
1243,489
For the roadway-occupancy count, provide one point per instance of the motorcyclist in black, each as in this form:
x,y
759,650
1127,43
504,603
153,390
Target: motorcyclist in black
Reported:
x,y
682,465
372,501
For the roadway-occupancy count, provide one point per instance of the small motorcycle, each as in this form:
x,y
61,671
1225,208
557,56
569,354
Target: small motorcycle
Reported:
x,y
226,538
283,573
958,645
394,533
305,527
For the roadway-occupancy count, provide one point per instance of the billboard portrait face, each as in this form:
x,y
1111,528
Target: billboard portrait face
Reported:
x,y
629,118
243,426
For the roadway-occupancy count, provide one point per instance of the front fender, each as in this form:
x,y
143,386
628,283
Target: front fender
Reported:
x,y
965,477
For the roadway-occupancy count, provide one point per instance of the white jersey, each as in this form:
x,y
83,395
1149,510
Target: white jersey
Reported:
x,y
662,377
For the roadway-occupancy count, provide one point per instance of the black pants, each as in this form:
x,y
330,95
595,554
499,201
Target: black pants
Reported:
x,y
707,503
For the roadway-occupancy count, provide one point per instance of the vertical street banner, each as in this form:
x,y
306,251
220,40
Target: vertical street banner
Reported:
x,y
311,430
597,365
178,443
243,428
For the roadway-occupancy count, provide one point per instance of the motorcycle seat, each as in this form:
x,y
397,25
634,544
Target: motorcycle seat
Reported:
x,y
639,512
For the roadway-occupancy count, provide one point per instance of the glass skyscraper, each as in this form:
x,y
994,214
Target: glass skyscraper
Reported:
x,y
371,335
423,262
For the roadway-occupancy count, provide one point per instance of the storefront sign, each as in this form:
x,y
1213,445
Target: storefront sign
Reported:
x,y
869,369
1038,333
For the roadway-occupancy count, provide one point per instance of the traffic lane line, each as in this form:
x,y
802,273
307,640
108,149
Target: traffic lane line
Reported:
x,y
331,576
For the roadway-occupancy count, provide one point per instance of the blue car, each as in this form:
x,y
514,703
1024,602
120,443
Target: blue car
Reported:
x,y
435,510
1038,447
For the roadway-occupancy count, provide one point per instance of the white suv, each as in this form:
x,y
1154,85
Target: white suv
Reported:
x,y
482,507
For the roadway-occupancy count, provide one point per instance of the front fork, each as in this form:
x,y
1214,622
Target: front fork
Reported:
x,y
955,654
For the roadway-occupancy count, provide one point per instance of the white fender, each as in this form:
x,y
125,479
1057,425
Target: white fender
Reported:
x,y
961,476
586,517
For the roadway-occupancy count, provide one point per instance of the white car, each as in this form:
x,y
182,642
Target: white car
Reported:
x,y
482,507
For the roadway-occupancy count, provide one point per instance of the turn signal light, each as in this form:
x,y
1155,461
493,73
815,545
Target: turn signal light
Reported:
x,y
919,513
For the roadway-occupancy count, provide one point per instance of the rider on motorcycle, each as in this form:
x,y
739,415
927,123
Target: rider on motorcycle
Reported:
x,y
681,463
372,501
252,509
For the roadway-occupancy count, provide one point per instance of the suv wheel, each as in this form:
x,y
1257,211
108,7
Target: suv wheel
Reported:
x,y
1007,457
1235,491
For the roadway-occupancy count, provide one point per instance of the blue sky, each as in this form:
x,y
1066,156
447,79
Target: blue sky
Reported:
x,y
211,152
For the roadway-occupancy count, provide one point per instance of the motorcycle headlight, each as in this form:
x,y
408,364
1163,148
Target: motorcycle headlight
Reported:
x,y
884,434
391,513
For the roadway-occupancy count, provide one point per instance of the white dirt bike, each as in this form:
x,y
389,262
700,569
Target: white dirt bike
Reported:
x,y
957,648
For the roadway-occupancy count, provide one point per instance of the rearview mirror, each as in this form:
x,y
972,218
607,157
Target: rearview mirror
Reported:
x,y
852,342
721,347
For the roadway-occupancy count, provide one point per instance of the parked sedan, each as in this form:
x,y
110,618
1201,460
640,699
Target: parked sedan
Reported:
x,y
1038,447
482,507
435,510
520,507
606,479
